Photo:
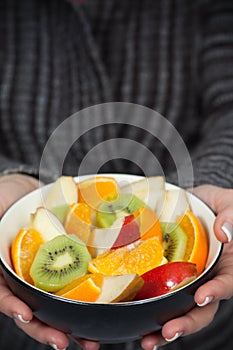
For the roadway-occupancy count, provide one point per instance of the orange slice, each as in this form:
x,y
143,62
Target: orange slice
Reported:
x,y
148,223
96,189
78,220
86,288
138,257
197,245
23,251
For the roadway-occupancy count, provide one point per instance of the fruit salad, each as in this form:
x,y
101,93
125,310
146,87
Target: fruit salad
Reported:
x,y
102,241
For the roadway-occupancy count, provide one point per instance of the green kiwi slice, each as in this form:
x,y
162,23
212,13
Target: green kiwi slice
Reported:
x,y
174,241
58,262
124,205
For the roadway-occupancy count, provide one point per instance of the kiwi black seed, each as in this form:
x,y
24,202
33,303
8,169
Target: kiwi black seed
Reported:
x,y
58,262
174,241
124,205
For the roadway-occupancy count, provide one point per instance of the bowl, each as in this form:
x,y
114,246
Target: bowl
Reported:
x,y
106,323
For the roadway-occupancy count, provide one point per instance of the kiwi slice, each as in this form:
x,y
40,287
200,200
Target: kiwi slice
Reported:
x,y
124,205
58,262
174,241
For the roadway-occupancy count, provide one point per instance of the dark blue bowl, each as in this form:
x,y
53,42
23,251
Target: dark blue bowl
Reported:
x,y
106,323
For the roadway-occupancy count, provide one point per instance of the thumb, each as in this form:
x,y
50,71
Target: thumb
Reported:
x,y
220,200
223,226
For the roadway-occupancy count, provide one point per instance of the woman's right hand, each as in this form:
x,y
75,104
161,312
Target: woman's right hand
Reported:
x,y
13,187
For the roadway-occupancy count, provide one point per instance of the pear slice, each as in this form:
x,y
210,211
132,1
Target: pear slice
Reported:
x,y
47,224
150,190
119,288
62,193
175,205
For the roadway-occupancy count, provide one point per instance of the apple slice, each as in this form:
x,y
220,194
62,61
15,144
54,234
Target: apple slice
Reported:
x,y
119,288
63,193
124,230
166,278
102,239
175,205
150,190
47,224
129,232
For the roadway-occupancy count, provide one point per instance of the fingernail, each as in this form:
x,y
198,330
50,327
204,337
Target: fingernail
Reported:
x,y
206,301
20,318
176,336
228,230
54,346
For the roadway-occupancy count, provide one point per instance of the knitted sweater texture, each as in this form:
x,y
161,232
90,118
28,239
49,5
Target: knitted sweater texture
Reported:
x,y
172,56
58,57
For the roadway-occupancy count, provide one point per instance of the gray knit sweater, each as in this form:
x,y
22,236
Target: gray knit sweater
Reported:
x,y
173,56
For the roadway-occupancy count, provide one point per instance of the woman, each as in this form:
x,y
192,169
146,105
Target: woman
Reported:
x,y
175,57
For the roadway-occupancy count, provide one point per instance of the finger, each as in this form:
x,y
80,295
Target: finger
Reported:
x,y
192,322
44,334
150,341
11,305
87,344
221,202
223,226
23,316
216,289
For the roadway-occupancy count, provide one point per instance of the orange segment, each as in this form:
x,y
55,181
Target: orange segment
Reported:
x,y
86,288
96,189
197,245
138,258
78,220
148,223
23,251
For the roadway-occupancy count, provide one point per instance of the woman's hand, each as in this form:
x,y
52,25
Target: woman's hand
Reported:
x,y
208,296
13,187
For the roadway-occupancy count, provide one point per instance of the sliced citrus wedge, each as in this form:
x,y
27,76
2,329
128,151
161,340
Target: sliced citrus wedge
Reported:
x,y
78,220
23,250
86,288
136,258
96,189
197,244
148,223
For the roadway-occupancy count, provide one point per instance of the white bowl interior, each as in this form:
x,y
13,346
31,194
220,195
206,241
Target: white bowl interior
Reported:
x,y
18,216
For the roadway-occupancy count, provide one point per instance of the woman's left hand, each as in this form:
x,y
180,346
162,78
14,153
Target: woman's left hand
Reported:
x,y
208,296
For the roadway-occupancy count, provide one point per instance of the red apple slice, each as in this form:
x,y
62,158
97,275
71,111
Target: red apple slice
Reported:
x,y
102,239
129,232
124,230
166,278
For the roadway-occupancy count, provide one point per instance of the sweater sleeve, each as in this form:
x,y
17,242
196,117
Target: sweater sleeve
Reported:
x,y
212,159
9,166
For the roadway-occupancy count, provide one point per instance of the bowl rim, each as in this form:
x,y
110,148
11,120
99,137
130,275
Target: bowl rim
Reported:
x,y
55,297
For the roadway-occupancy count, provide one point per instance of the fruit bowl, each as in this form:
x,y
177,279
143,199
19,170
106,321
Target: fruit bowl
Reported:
x,y
99,321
